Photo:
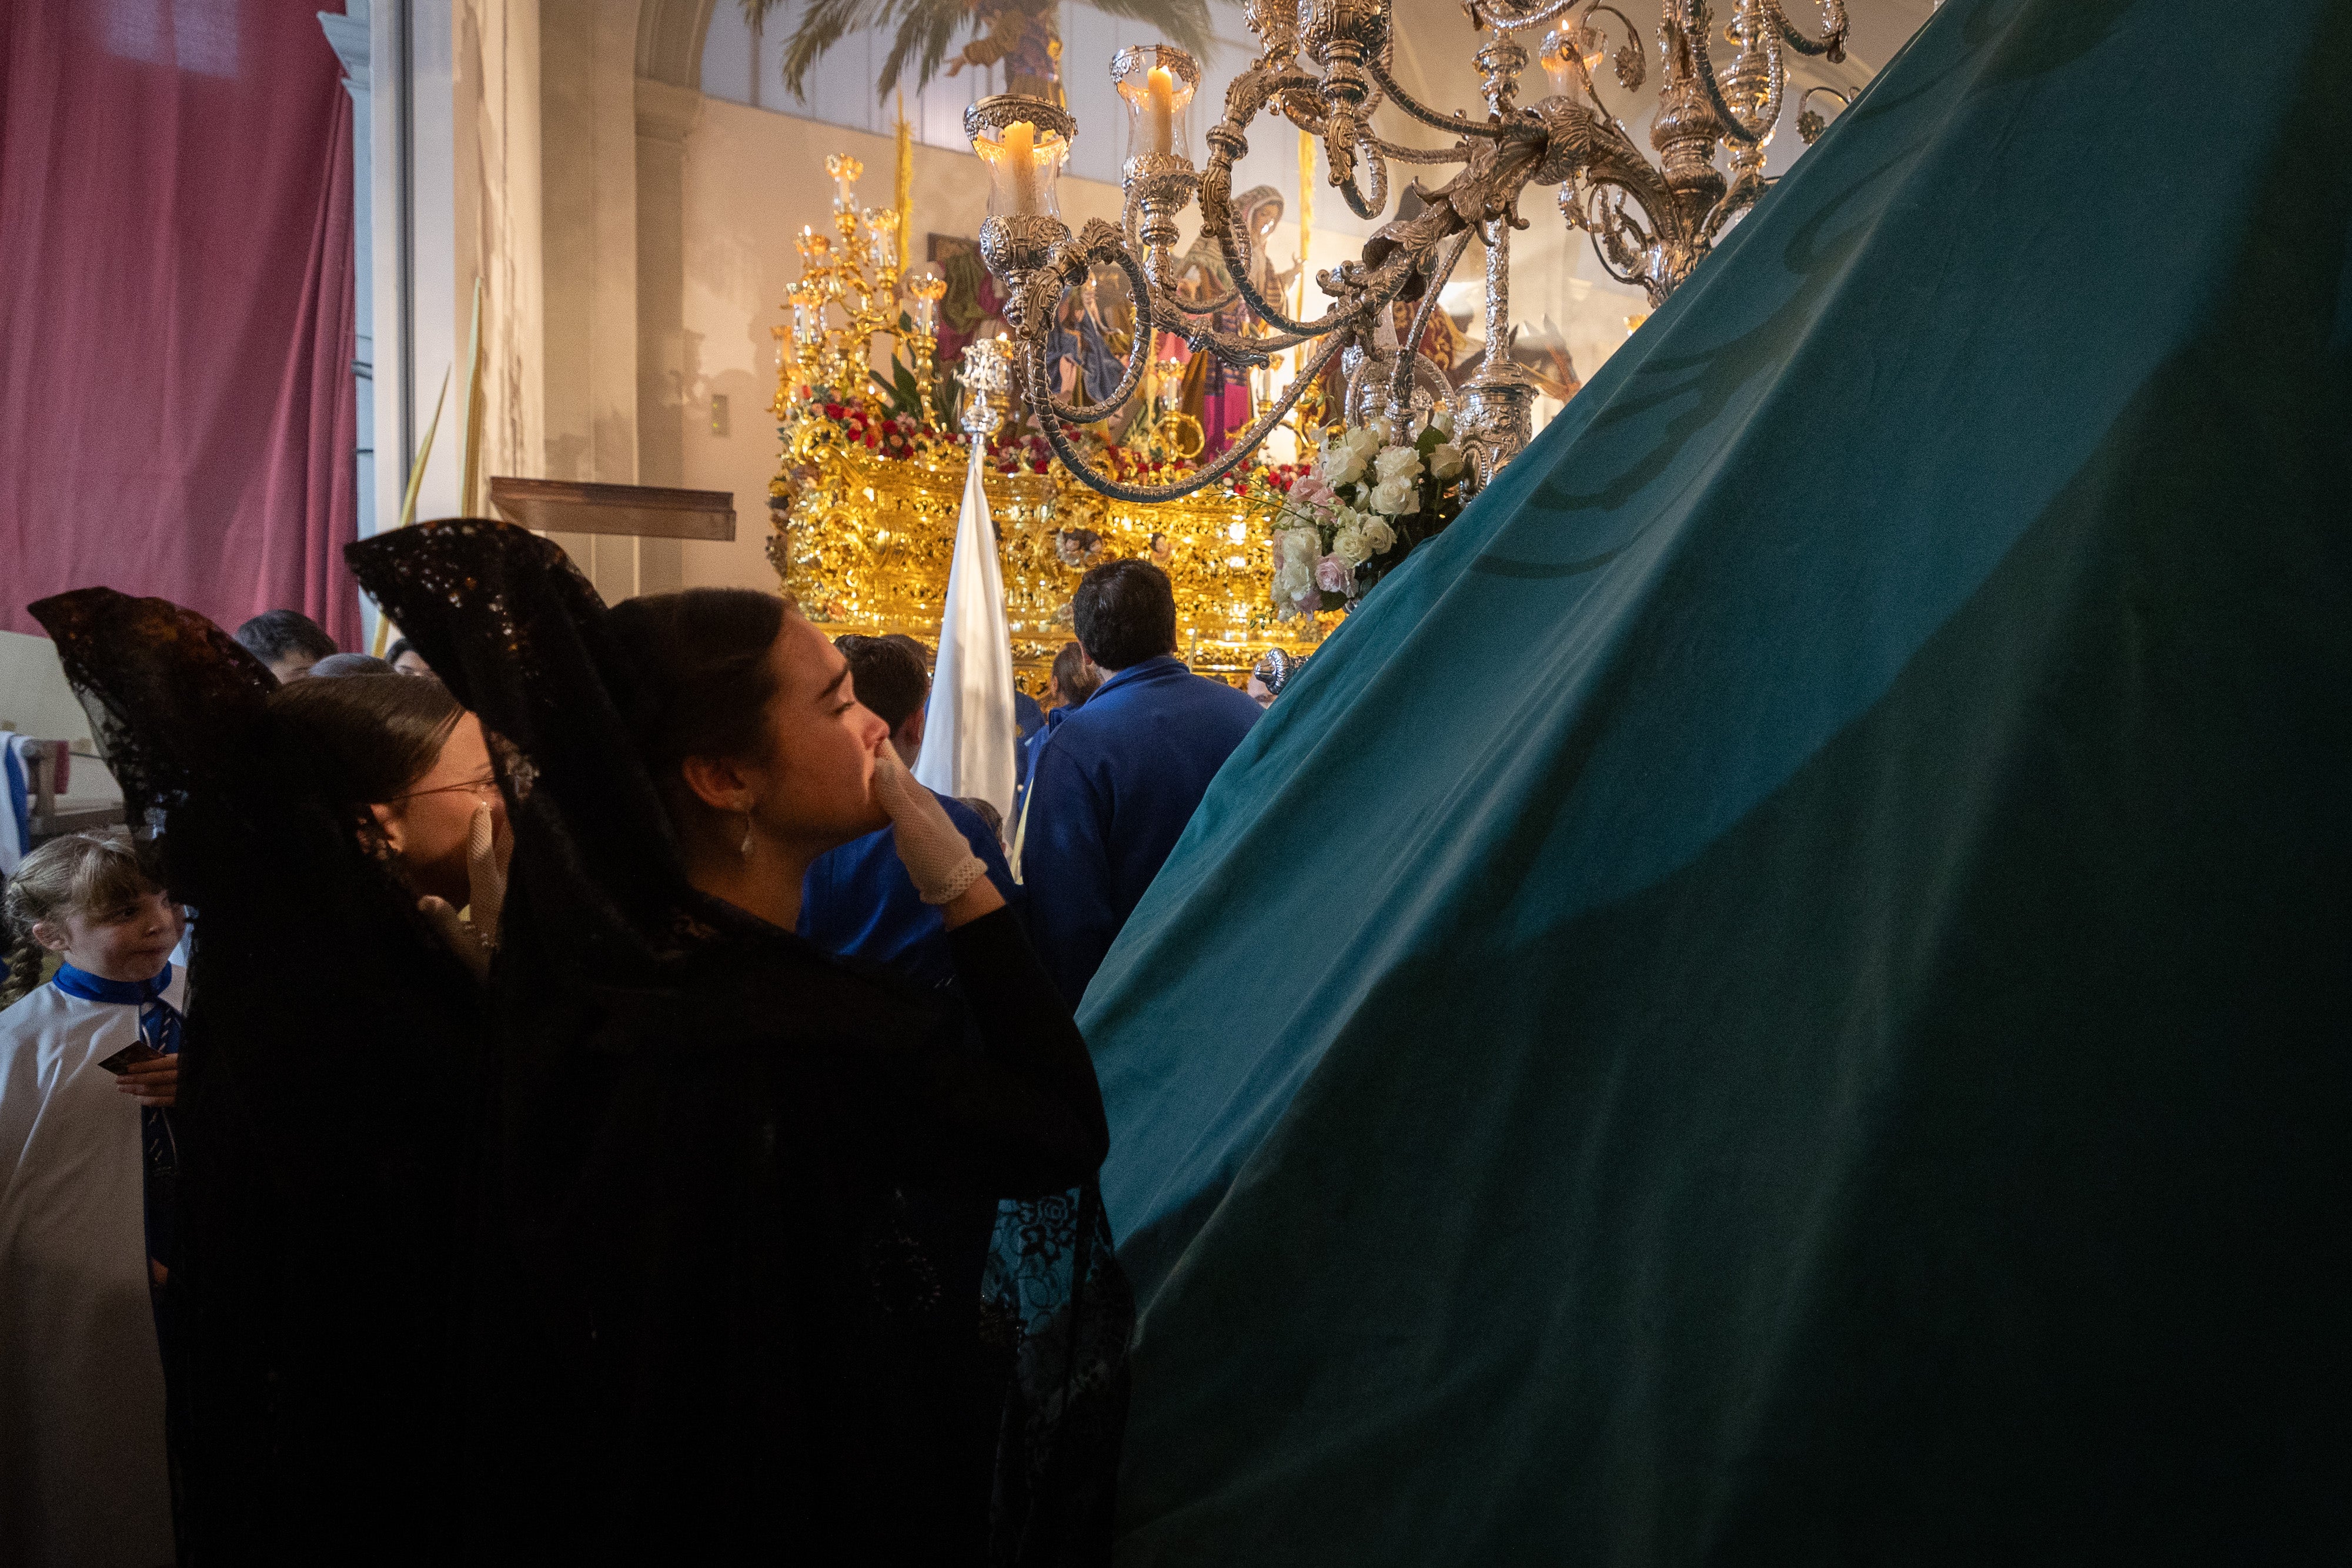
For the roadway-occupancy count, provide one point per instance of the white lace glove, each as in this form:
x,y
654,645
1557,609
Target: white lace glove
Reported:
x,y
487,852
938,857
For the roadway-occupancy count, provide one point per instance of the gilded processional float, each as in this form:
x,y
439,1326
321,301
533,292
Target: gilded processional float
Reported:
x,y
1155,447
866,497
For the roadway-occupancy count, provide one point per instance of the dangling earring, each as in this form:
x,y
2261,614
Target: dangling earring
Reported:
x,y
747,829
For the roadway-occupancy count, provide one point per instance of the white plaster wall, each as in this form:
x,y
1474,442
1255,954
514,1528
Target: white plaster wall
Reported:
x,y
34,697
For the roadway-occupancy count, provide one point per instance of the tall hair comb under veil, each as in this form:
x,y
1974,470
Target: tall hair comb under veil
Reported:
x,y
171,698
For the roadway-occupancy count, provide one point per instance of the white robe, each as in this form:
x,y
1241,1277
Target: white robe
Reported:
x,y
83,1479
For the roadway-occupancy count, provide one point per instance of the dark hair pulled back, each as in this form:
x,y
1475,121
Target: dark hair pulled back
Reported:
x,y
1075,678
380,734
702,657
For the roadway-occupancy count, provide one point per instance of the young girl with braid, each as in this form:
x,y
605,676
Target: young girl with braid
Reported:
x,y
89,1072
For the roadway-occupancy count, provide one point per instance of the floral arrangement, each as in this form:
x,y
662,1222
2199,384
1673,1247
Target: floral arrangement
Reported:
x,y
1369,499
885,434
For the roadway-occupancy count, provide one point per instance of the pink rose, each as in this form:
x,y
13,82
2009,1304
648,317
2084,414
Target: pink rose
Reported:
x,y
1331,574
1311,491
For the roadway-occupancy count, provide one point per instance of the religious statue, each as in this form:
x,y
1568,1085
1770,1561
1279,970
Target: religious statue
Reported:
x,y
1025,38
1210,392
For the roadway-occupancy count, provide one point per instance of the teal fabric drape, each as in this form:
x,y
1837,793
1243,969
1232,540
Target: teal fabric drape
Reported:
x,y
1780,992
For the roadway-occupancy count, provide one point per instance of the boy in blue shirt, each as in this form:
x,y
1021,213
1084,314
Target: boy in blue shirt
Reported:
x,y
857,901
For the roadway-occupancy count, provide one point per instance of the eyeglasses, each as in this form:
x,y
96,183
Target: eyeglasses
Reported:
x,y
489,782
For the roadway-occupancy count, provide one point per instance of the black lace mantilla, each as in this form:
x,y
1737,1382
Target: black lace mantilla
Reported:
x,y
604,934
173,702
330,1058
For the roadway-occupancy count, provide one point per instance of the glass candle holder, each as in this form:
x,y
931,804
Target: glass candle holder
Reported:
x,y
925,290
845,170
1563,47
882,231
808,317
1024,142
1156,82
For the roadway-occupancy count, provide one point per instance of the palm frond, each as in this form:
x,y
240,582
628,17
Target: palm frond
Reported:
x,y
1183,23
926,29
823,23
925,32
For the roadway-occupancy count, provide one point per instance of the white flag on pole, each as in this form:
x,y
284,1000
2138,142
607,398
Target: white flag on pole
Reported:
x,y
968,727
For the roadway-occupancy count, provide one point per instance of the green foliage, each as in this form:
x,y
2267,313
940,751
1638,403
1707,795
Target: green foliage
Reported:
x,y
899,395
925,30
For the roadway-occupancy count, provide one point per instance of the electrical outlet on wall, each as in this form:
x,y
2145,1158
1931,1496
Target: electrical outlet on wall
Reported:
x,y
719,414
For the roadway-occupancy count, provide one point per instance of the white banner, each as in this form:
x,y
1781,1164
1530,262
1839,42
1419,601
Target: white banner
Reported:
x,y
967,730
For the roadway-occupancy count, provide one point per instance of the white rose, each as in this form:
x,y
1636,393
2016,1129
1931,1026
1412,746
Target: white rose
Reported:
x,y
1443,420
1396,463
1378,537
1379,429
1394,496
1301,545
1293,579
1365,440
1446,462
1344,466
1349,545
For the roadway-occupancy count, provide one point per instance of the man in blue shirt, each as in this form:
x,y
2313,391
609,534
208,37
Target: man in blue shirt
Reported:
x,y
857,901
1114,783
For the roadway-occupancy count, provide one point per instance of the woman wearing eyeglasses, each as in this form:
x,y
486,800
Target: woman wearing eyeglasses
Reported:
x,y
416,767
334,1044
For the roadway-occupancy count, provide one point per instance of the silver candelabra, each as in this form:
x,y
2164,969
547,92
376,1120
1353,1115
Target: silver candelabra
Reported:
x,y
1324,67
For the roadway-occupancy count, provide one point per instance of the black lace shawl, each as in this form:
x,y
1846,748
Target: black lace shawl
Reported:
x,y
735,1176
330,1065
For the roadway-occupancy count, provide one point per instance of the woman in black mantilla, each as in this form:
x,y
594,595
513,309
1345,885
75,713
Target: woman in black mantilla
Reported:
x,y
331,1046
742,1189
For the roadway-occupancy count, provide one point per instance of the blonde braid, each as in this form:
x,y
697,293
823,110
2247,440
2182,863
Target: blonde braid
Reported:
x,y
24,958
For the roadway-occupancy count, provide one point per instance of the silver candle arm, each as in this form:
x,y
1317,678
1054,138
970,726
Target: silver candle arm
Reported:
x,y
1324,67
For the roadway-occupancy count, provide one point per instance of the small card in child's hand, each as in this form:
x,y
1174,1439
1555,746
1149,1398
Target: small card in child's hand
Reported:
x,y
131,1056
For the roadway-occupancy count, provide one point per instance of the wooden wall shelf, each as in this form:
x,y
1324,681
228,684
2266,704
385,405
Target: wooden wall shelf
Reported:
x,y
644,511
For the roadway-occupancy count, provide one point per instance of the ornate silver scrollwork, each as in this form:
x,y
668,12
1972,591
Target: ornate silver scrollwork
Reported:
x,y
1324,66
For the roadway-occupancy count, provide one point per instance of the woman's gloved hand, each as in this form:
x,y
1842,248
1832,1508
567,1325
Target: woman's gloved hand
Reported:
x,y
938,858
487,852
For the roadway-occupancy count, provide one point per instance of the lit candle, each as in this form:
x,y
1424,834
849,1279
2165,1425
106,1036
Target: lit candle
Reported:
x,y
1020,154
1160,112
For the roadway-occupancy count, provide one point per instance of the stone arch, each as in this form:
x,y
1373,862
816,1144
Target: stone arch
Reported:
x,y
669,40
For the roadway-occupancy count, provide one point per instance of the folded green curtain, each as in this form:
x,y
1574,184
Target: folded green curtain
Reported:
x,y
1780,992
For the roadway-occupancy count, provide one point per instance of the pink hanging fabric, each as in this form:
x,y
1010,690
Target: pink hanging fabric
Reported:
x,y
176,404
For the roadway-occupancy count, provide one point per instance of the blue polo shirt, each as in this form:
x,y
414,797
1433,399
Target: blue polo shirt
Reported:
x,y
858,902
1111,787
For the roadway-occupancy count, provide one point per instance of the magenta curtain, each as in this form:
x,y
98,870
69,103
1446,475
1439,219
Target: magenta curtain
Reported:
x,y
177,406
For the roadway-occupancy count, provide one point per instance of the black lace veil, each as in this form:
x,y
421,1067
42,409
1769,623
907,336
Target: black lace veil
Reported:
x,y
599,908
324,1116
